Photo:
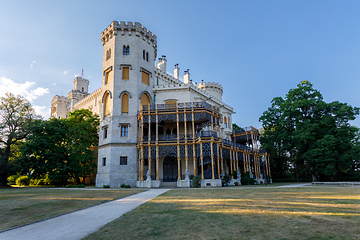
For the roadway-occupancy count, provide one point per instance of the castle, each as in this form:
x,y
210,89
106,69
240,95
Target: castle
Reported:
x,y
156,128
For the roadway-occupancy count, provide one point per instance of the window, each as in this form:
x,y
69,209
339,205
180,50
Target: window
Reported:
x,y
108,54
107,77
82,89
125,103
107,104
225,122
147,56
145,100
123,160
144,54
105,132
145,78
124,130
126,50
170,104
125,72
104,162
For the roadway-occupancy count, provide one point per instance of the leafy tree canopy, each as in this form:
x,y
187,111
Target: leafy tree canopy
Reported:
x,y
61,148
16,115
309,137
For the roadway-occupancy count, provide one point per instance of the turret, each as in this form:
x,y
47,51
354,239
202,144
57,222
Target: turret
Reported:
x,y
212,88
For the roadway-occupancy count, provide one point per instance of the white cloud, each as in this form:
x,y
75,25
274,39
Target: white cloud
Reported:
x,y
33,63
65,72
23,89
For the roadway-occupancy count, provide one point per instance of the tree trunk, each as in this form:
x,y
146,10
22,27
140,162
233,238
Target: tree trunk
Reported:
x,y
313,178
3,179
5,162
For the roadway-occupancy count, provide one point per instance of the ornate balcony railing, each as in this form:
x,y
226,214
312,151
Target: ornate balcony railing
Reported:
x,y
187,105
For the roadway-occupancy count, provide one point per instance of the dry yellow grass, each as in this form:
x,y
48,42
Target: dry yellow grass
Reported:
x,y
19,206
238,213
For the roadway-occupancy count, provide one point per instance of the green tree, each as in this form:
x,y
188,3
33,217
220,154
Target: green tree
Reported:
x,y
61,148
308,137
46,151
16,115
83,138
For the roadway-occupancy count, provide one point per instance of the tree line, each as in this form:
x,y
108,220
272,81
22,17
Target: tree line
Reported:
x,y
58,149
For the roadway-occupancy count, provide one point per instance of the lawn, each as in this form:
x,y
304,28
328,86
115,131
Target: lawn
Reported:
x,y
19,206
243,213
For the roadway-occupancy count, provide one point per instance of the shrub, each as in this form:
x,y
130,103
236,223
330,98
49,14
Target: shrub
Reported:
x,y
246,179
127,186
106,186
12,179
234,174
226,180
196,182
23,180
123,185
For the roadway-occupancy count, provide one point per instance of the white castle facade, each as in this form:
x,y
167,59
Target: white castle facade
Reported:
x,y
155,127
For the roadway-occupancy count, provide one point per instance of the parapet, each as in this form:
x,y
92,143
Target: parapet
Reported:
x,y
114,28
212,88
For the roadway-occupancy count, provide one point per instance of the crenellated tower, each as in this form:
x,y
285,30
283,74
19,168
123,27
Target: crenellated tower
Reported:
x,y
129,53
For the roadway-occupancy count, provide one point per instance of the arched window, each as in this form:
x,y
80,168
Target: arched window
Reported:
x,y
145,100
125,103
147,56
144,54
225,122
126,50
82,89
107,104
174,132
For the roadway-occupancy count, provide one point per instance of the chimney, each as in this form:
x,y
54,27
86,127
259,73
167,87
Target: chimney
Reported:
x,y
162,63
176,71
186,76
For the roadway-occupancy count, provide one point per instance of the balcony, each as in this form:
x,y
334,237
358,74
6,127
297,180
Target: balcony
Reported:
x,y
173,138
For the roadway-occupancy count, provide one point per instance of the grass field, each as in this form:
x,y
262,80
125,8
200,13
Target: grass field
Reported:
x,y
243,213
19,206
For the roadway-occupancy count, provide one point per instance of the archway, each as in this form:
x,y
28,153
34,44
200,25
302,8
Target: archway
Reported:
x,y
170,170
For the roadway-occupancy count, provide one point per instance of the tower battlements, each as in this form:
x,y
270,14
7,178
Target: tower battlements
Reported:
x,y
127,27
213,88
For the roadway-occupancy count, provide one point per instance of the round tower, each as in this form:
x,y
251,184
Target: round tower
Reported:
x,y
129,53
212,88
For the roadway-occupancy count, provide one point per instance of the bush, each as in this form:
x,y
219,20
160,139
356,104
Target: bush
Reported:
x,y
234,174
106,186
123,185
12,179
196,182
23,180
226,180
246,179
127,186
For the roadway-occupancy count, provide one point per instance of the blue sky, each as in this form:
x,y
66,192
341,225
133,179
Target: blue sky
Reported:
x,y
256,49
